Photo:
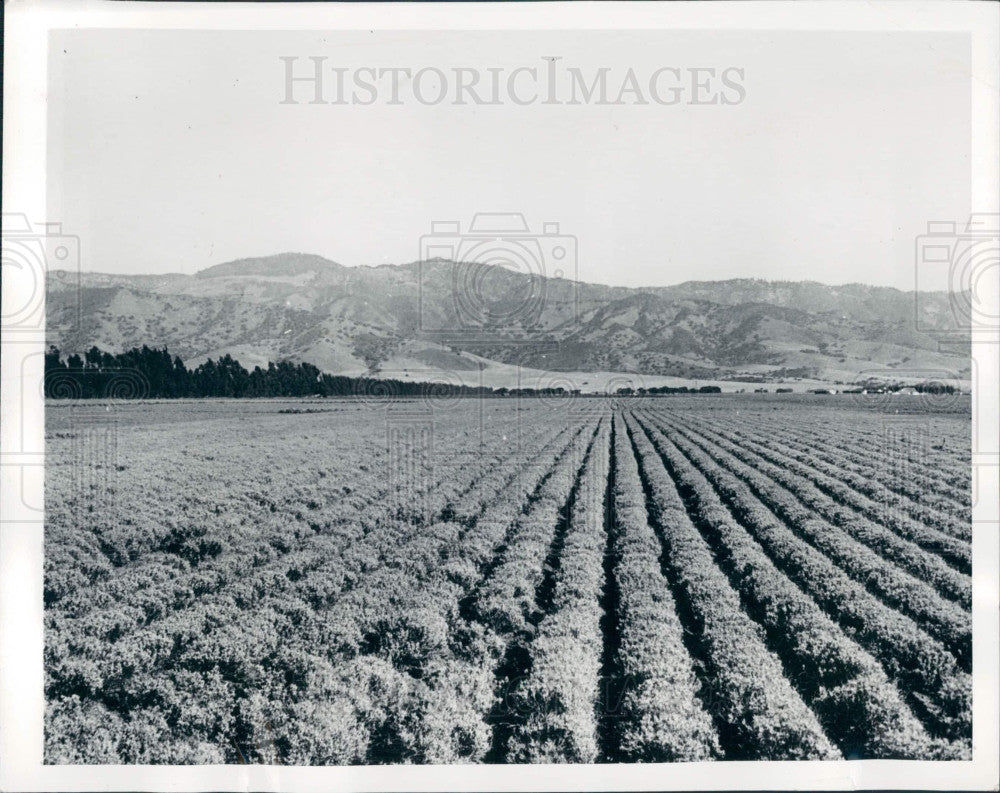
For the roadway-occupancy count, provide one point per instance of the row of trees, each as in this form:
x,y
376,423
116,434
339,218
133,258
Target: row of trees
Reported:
x,y
154,373
926,387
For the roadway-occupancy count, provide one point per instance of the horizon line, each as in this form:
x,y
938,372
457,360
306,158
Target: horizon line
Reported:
x,y
453,261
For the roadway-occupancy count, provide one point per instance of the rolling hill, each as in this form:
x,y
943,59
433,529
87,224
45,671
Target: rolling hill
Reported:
x,y
439,316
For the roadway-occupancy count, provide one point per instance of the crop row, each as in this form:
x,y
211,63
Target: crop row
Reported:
x,y
813,489
860,709
935,531
557,698
433,685
266,600
760,714
925,434
331,522
901,464
231,494
873,475
940,690
922,438
443,554
660,716
419,628
399,546
944,620
599,588
884,494
506,600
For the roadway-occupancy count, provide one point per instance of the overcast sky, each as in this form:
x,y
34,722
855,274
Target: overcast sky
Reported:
x,y
171,151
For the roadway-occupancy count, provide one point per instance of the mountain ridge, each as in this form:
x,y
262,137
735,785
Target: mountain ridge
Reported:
x,y
270,259
437,313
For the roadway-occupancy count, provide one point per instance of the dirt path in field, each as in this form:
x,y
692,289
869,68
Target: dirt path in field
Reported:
x,y
612,679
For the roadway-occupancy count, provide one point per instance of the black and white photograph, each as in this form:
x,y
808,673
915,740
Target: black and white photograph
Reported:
x,y
528,396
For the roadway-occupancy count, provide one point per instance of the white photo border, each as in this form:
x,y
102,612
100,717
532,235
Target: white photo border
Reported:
x,y
22,432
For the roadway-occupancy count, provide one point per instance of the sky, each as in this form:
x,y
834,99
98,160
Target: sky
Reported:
x,y
171,151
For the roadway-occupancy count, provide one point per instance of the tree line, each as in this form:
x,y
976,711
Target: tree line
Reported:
x,y
155,374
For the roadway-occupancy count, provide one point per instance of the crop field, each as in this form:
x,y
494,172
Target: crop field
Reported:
x,y
508,580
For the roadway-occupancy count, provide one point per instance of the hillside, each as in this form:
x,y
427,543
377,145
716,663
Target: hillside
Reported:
x,y
398,320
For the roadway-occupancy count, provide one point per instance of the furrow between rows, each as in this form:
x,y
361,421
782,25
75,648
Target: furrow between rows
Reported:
x,y
860,708
757,711
942,619
939,690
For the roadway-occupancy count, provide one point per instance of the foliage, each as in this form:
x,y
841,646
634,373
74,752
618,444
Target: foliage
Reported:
x,y
634,579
